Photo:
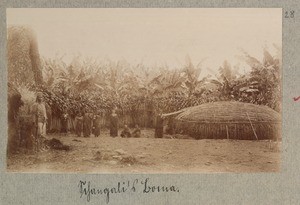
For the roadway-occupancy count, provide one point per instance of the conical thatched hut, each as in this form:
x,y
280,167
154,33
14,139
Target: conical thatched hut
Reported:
x,y
24,67
232,120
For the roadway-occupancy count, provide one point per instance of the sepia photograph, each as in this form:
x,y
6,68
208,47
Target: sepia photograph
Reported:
x,y
117,90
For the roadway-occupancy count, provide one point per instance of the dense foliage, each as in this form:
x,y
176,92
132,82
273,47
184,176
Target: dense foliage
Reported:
x,y
89,85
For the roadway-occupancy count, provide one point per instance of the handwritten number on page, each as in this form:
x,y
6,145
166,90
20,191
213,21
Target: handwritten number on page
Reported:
x,y
289,14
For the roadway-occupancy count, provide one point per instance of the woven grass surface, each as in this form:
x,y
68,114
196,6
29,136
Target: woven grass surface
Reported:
x,y
232,120
24,66
229,112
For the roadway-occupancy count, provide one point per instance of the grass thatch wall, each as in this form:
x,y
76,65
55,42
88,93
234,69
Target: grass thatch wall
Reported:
x,y
233,120
24,66
14,104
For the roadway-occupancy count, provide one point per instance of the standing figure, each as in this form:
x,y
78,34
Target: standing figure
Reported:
x,y
96,125
114,124
40,119
136,132
49,116
64,123
87,125
79,124
159,128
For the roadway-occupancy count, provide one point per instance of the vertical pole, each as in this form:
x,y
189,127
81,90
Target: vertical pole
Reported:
x,y
227,132
252,126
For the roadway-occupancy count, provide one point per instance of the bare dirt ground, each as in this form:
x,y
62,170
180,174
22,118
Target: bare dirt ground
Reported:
x,y
149,155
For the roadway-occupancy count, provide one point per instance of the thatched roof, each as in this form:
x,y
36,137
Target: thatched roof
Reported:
x,y
24,64
229,112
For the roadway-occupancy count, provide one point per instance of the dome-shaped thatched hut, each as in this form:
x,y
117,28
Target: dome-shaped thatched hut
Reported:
x,y
232,120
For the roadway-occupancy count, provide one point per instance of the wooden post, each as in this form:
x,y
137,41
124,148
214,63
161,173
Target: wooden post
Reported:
x,y
227,132
235,133
252,126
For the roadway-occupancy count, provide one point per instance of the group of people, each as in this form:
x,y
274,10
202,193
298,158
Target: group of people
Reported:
x,y
136,133
87,123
